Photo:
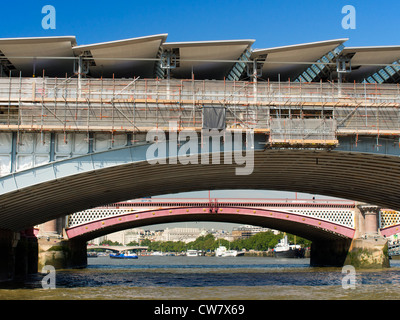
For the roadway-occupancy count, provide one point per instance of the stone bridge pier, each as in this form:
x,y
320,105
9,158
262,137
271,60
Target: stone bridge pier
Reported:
x,y
24,253
368,249
56,250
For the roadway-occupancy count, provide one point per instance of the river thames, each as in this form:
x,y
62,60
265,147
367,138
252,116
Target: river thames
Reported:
x,y
207,278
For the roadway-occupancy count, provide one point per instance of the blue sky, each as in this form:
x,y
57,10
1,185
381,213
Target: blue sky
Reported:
x,y
271,23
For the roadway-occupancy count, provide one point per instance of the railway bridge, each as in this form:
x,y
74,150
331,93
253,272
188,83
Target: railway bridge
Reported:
x,y
327,222
83,126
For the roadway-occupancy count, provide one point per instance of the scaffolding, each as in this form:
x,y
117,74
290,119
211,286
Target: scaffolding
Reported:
x,y
289,112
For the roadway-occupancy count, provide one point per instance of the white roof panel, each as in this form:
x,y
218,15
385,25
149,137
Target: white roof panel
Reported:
x,y
291,61
118,57
368,60
206,58
29,54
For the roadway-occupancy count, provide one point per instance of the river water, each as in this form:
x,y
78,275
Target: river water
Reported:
x,y
207,278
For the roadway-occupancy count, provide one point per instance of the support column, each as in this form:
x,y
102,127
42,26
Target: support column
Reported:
x,y
371,215
368,248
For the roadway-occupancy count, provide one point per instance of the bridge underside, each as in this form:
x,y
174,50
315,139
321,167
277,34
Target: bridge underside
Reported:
x,y
363,177
306,227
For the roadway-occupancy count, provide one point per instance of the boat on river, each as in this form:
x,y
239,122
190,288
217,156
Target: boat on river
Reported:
x,y
285,250
222,251
192,253
124,255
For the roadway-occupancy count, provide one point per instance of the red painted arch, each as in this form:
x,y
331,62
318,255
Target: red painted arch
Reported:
x,y
286,221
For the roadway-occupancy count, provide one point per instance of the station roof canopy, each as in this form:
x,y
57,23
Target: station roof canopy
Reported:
x,y
207,59
123,58
145,57
31,56
291,61
368,60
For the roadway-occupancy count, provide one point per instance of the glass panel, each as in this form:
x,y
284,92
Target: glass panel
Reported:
x,y
311,73
390,70
383,74
377,78
305,75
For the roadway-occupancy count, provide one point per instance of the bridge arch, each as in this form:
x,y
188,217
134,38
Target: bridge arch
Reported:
x,y
308,227
37,195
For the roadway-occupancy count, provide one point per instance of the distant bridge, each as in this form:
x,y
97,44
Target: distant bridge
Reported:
x,y
313,219
117,248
